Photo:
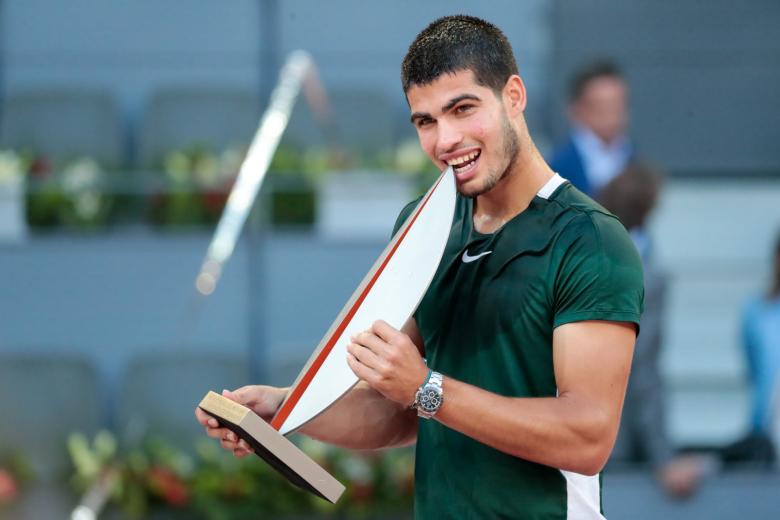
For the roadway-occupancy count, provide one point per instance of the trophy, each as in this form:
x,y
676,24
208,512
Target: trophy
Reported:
x,y
390,291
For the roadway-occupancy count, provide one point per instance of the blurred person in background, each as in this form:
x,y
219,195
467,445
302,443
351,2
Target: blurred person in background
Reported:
x,y
597,148
642,439
761,343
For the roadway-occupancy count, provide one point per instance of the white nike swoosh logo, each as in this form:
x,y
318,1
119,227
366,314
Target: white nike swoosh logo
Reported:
x,y
467,259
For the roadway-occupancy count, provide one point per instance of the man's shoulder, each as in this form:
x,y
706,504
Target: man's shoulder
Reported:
x,y
580,220
597,271
576,212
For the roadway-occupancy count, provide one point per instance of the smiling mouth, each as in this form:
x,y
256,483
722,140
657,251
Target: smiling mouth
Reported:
x,y
464,162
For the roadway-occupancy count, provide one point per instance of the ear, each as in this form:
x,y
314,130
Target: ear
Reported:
x,y
514,95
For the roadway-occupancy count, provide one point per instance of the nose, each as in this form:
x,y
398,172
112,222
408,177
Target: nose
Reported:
x,y
449,136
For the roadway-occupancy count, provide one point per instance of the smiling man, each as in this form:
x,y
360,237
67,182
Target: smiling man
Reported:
x,y
516,361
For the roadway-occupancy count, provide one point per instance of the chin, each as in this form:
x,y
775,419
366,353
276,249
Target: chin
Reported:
x,y
471,192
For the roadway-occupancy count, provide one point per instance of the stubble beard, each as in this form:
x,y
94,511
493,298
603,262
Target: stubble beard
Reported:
x,y
510,149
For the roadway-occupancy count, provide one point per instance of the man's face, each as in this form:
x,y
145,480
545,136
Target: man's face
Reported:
x,y
603,107
464,125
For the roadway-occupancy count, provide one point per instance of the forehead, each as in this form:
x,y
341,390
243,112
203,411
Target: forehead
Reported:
x,y
432,96
604,86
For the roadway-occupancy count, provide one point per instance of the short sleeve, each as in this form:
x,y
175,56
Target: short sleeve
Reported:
x,y
405,212
599,275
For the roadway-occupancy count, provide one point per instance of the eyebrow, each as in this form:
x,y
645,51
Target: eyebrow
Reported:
x,y
446,108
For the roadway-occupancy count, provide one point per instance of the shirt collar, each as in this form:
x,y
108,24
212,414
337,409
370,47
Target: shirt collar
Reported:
x,y
586,139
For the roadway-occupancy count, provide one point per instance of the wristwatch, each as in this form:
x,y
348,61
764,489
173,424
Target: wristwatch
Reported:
x,y
430,396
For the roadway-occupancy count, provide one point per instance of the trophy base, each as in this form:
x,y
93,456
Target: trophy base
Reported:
x,y
273,447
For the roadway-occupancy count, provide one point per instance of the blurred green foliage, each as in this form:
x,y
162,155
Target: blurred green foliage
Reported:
x,y
15,475
74,193
214,485
192,185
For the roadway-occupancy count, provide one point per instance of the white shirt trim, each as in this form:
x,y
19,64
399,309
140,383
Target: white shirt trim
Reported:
x,y
550,187
583,497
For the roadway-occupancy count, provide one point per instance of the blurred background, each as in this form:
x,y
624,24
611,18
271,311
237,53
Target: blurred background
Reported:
x,y
122,127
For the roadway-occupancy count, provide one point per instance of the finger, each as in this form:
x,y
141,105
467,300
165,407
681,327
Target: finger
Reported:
x,y
243,445
364,355
242,395
384,330
217,433
360,370
228,445
230,441
242,448
205,419
233,396
238,452
371,341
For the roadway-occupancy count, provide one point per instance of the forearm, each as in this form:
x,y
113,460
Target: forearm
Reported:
x,y
574,431
563,432
364,419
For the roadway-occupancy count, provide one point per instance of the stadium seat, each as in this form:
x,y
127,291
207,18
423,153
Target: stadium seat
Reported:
x,y
64,124
176,118
159,393
44,399
362,121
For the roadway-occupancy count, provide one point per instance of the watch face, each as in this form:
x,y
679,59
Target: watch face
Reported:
x,y
430,400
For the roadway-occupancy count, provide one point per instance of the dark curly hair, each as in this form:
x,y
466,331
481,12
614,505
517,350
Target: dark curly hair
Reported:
x,y
455,43
632,195
591,71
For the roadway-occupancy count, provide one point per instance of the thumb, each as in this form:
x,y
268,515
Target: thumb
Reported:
x,y
243,395
233,396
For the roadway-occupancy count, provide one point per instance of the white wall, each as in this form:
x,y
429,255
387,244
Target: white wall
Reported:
x,y
130,48
715,240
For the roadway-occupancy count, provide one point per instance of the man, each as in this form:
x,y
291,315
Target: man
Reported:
x,y
597,149
527,328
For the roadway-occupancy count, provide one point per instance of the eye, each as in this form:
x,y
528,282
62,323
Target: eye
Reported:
x,y
464,108
424,121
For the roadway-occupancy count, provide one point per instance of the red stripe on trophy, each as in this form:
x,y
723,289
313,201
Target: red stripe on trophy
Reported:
x,y
297,392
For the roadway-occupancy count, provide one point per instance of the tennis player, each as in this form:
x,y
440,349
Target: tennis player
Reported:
x,y
512,373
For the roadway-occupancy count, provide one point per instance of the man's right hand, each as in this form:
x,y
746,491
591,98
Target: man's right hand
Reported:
x,y
263,400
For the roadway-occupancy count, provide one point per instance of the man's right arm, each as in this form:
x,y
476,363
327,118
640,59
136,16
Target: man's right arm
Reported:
x,y
361,419
364,419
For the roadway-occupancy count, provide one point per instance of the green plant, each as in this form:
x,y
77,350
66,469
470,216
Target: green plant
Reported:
x,y
214,485
71,193
15,475
195,185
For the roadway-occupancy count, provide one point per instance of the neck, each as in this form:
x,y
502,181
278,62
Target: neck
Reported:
x,y
514,192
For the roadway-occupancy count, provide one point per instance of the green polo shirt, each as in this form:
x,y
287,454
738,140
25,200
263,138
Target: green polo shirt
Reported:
x,y
487,319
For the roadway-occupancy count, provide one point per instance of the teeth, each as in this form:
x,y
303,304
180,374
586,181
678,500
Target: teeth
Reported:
x,y
463,159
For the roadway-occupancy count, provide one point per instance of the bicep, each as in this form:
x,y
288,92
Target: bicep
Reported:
x,y
411,330
592,361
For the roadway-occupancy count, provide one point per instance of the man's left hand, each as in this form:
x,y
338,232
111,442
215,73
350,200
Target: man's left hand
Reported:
x,y
388,360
